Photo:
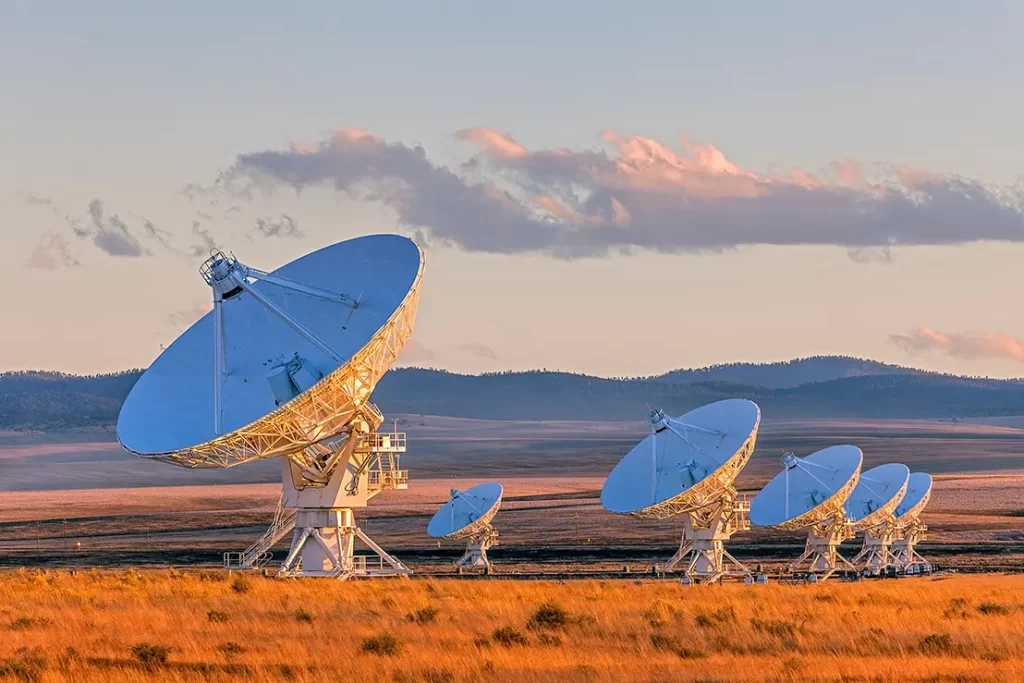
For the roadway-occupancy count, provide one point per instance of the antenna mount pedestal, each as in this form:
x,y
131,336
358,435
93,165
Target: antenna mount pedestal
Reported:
x,y
876,553
906,558
702,548
475,557
322,485
323,545
821,556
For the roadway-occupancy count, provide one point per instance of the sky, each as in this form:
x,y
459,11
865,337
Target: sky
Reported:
x,y
609,188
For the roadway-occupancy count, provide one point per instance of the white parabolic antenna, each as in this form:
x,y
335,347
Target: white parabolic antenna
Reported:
x,y
284,366
909,527
468,514
688,465
919,492
870,507
876,495
809,494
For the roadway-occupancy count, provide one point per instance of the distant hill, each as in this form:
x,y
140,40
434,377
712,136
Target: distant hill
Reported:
x,y
550,395
788,374
829,387
54,400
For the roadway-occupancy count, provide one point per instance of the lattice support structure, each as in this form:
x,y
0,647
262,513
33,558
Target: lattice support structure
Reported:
x,y
907,559
821,556
702,547
325,533
876,553
475,557
319,510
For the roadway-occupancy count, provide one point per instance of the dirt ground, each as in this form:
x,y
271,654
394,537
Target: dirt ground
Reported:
x,y
77,500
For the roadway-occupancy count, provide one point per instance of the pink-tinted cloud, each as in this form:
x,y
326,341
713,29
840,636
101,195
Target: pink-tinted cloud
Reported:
x,y
960,344
50,253
494,142
638,192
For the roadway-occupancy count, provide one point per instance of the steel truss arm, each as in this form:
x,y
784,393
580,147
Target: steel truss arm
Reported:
x,y
290,321
296,286
218,363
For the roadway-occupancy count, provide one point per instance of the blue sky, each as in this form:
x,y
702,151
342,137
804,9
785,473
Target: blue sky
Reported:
x,y
130,102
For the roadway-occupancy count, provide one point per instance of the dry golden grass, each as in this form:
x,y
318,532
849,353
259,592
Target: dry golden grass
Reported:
x,y
208,626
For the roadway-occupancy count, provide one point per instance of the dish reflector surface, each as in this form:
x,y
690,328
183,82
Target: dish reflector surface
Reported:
x,y
807,487
171,407
466,511
919,491
678,463
877,494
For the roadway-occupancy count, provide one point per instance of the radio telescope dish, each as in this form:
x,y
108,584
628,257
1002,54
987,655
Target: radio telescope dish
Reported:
x,y
809,494
919,492
688,465
283,366
878,492
468,515
870,507
909,527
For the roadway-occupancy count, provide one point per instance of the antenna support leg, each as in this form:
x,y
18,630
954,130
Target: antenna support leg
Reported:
x,y
702,547
876,552
322,485
475,556
323,545
906,557
821,556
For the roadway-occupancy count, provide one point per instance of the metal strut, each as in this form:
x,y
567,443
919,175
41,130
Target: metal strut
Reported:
x,y
821,557
702,545
219,363
227,276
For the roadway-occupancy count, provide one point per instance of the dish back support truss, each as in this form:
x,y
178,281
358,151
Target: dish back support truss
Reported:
x,y
314,415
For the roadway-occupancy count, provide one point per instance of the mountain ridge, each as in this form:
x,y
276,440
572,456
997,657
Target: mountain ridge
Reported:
x,y
818,386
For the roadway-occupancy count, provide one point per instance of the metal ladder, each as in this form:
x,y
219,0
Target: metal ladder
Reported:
x,y
258,554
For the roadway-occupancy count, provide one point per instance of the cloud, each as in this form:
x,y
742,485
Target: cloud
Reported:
x,y
961,344
203,241
108,232
154,233
284,226
479,350
51,252
36,200
636,192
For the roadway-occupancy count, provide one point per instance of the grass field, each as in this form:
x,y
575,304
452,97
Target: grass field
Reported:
x,y
168,625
